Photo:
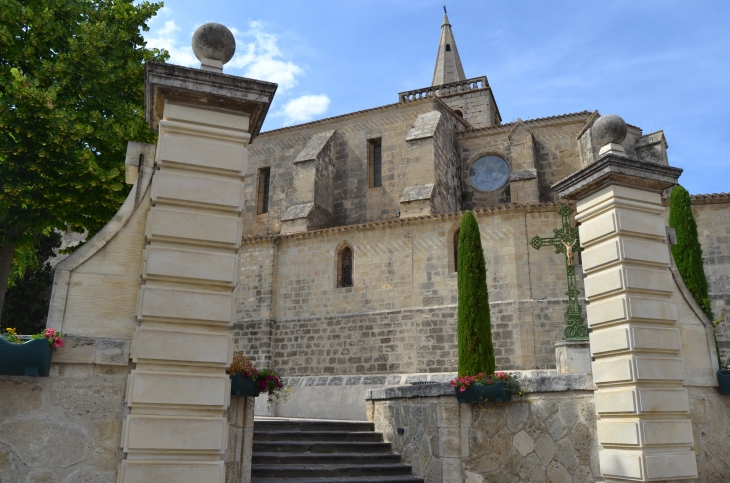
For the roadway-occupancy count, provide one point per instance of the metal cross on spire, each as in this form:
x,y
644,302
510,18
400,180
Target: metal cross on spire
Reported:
x,y
566,241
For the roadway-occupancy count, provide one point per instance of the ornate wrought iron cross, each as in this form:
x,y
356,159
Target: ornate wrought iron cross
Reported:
x,y
566,241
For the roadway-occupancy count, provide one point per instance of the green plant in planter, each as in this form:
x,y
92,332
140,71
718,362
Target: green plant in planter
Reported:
x,y
28,355
476,352
494,387
246,380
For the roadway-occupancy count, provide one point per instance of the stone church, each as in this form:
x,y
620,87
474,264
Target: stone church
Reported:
x,y
348,265
328,252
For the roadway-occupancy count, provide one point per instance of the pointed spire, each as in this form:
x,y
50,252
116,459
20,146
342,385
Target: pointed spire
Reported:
x,y
448,64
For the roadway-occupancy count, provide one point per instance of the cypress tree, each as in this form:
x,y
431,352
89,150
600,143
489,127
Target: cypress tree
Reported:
x,y
476,353
688,251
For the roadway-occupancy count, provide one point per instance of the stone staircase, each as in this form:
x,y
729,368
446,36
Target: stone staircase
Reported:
x,y
318,451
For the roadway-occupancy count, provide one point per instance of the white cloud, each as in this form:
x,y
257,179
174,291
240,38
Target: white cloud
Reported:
x,y
166,38
257,51
262,58
304,108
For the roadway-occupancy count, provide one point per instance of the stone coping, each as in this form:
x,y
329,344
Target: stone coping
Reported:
x,y
367,379
532,381
91,350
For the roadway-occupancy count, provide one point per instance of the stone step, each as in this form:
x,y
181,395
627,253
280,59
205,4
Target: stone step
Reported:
x,y
310,425
333,436
309,459
319,451
319,447
328,471
356,479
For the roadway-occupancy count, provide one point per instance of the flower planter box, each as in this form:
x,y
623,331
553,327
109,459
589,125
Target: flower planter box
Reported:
x,y
724,381
243,386
32,358
478,393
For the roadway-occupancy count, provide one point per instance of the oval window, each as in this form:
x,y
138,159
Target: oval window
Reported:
x,y
489,173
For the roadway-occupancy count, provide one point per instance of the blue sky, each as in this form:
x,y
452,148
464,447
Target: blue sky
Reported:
x,y
658,64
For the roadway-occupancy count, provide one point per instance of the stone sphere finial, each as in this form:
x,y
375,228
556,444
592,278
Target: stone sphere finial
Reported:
x,y
215,42
609,129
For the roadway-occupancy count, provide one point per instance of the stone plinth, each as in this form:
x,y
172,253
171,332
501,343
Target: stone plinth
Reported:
x,y
572,357
644,426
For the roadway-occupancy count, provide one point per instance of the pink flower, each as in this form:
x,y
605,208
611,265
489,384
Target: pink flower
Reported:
x,y
462,389
49,333
58,342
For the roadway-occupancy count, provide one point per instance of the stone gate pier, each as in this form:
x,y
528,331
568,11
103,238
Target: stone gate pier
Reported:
x,y
140,394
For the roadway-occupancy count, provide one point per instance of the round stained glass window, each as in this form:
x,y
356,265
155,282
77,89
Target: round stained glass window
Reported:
x,y
489,173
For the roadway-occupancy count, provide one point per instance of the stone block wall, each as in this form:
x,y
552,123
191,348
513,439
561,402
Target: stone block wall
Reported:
x,y
354,201
548,437
400,315
556,150
712,213
477,106
446,165
65,428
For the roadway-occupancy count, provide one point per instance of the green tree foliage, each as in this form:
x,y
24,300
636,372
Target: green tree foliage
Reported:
x,y
29,288
476,353
688,251
71,96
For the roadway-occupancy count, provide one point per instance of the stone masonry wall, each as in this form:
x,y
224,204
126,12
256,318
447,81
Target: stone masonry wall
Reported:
x,y
477,106
67,428
400,315
446,164
712,213
548,437
556,150
354,201
64,428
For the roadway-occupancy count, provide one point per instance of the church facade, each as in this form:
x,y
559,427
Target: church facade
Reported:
x,y
348,264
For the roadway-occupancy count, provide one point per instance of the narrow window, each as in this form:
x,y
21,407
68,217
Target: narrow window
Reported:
x,y
375,163
448,47
459,113
344,267
262,199
456,251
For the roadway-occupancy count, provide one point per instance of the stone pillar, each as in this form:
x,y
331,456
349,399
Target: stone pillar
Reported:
x,y
240,439
572,357
644,426
179,392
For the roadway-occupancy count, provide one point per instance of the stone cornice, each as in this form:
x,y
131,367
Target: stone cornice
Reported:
x,y
205,89
619,170
512,207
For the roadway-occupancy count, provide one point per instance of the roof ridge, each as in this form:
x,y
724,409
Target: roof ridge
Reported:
x,y
539,119
339,116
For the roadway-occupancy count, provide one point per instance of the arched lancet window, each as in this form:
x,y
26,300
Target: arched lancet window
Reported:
x,y
448,47
459,113
456,250
344,267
